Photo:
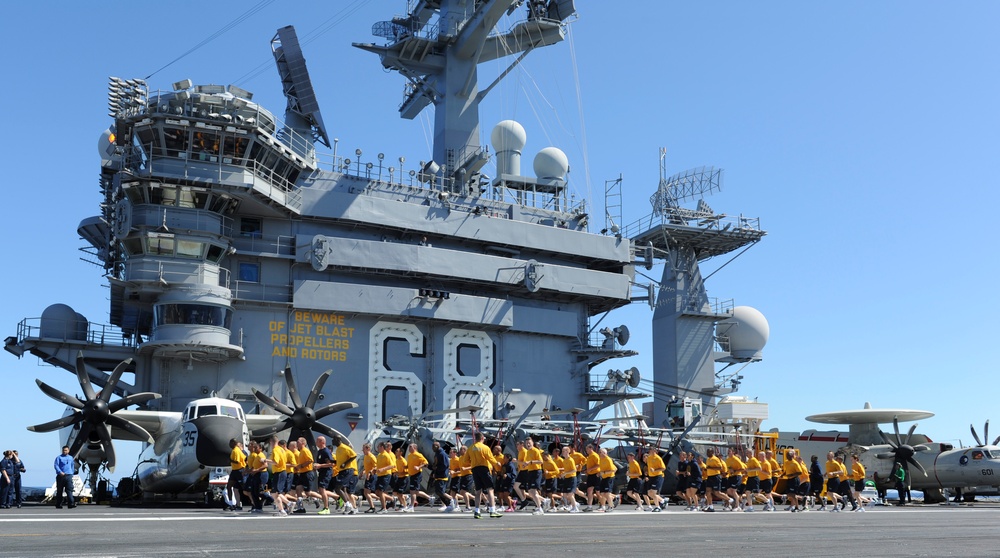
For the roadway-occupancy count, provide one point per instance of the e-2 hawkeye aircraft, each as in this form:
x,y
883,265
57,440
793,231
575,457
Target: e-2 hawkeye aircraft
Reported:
x,y
181,447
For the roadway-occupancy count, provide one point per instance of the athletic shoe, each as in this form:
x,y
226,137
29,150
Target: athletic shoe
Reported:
x,y
795,510
638,508
476,515
281,513
324,511
536,512
299,511
609,510
495,514
574,510
822,508
860,509
656,509
835,509
748,509
382,511
710,509
588,509
371,510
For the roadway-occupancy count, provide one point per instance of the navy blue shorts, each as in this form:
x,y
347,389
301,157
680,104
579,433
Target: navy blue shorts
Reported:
x,y
753,484
370,482
593,481
655,484
568,485
466,485
383,483
791,485
440,487
714,482
634,485
607,483
766,485
415,483
324,477
803,489
481,476
532,479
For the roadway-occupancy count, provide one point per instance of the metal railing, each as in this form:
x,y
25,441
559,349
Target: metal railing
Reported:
x,y
73,330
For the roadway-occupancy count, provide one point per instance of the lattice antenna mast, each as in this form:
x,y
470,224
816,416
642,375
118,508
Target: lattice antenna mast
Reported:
x,y
690,184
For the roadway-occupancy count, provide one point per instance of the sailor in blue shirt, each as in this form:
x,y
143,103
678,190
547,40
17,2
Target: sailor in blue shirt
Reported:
x,y
6,478
64,478
15,497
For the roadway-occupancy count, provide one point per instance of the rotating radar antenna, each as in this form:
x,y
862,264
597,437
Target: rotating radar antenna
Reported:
x,y
686,185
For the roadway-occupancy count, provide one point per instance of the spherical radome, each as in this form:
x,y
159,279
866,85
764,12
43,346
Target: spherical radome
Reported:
x,y
551,162
508,135
747,331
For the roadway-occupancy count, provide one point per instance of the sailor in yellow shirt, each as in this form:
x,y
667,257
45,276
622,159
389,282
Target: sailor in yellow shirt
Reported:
x,y
385,467
568,480
655,469
766,480
521,474
714,467
401,484
791,473
593,469
481,460
734,479
845,484
235,484
606,471
581,472
532,467
552,470
415,465
370,478
753,470
634,488
277,463
291,460
346,473
858,474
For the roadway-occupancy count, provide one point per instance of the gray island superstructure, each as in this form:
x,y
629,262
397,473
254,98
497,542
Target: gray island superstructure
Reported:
x,y
235,247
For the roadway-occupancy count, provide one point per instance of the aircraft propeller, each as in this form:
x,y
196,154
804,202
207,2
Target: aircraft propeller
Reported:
x,y
301,418
901,450
95,413
986,435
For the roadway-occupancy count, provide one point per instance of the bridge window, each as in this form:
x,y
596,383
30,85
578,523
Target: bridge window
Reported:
x,y
249,272
192,314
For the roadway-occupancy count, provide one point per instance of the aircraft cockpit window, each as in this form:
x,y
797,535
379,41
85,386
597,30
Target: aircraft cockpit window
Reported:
x,y
189,414
988,453
206,410
977,455
231,411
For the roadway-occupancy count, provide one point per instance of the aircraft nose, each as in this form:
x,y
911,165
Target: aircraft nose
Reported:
x,y
214,433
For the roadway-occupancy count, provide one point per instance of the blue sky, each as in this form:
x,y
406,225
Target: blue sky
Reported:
x,y
864,135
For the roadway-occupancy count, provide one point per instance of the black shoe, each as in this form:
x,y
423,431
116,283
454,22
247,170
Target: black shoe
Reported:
x,y
58,507
71,506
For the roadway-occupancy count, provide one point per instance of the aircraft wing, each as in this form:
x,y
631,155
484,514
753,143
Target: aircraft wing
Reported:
x,y
157,423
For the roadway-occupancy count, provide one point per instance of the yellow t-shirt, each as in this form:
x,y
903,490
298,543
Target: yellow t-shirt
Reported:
x,y
237,459
532,459
414,462
304,461
634,470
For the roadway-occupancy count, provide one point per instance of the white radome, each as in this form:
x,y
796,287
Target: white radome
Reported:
x,y
508,135
747,331
551,162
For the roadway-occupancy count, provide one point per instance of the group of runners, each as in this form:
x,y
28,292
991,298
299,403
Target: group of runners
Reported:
x,y
740,481
471,478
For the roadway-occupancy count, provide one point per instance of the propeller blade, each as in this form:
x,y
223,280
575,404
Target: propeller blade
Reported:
x,y
976,436
109,447
116,375
81,438
986,430
130,427
885,438
134,399
317,387
273,429
917,463
885,455
271,402
59,396
921,447
331,432
58,423
895,427
910,432
293,392
81,375
334,408
996,442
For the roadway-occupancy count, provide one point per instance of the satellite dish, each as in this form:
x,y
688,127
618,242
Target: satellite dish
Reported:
x,y
633,374
622,334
